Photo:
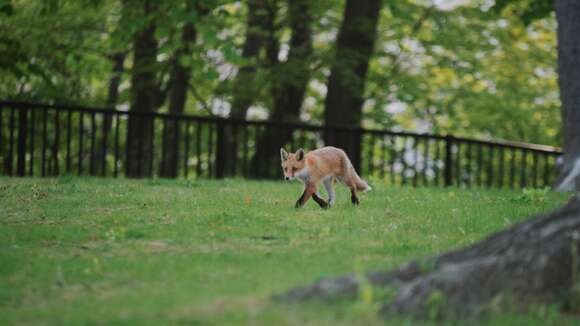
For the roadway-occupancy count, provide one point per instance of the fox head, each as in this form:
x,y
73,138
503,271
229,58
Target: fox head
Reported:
x,y
292,163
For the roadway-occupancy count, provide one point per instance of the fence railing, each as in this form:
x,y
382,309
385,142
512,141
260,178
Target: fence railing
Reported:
x,y
49,140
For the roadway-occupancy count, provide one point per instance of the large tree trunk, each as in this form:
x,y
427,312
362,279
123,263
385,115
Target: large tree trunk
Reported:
x,y
144,98
177,97
288,92
346,85
534,262
245,89
568,16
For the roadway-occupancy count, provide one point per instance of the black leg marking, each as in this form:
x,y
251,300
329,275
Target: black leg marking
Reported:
x,y
320,201
354,198
299,202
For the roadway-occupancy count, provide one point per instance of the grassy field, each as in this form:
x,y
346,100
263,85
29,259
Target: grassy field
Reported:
x,y
100,251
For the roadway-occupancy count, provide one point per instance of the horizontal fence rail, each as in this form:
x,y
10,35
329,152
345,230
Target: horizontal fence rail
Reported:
x,y
51,140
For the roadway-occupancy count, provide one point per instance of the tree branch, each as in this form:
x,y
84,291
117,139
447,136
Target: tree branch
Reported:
x,y
200,99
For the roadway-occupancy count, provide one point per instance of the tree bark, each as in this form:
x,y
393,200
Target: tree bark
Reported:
x,y
289,90
144,98
346,85
568,17
533,262
260,25
180,76
244,88
118,60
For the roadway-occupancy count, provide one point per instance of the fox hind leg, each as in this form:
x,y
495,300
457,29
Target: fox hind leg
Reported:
x,y
330,190
353,197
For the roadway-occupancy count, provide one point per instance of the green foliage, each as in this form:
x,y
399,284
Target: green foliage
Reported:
x,y
6,8
534,195
528,10
85,251
469,70
52,51
466,72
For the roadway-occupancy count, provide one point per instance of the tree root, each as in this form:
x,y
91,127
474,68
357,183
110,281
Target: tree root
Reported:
x,y
533,262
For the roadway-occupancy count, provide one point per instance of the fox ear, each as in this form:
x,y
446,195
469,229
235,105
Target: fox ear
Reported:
x,y
283,154
300,154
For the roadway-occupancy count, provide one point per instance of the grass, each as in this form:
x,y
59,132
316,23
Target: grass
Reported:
x,y
100,251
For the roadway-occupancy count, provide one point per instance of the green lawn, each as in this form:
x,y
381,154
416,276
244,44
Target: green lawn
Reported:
x,y
102,251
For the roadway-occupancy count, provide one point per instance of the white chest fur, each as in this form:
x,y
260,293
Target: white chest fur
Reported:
x,y
303,175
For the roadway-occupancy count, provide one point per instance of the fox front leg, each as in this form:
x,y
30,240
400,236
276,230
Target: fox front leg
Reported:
x,y
310,191
321,202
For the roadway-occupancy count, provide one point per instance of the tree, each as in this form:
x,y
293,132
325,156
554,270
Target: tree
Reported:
x,y
245,88
59,66
260,16
460,71
568,15
290,79
346,84
144,95
454,71
118,62
178,87
533,262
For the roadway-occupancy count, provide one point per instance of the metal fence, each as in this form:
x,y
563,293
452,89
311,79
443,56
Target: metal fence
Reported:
x,y
50,140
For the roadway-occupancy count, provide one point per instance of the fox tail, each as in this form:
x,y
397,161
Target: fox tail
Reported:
x,y
361,185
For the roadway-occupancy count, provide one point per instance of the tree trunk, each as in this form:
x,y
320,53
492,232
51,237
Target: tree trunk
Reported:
x,y
177,97
244,88
118,60
144,99
534,262
346,85
288,92
568,16
259,26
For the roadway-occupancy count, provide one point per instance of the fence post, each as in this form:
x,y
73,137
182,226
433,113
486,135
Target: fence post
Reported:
x,y
448,160
21,147
8,159
220,150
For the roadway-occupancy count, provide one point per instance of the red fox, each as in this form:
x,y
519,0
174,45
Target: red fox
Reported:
x,y
322,165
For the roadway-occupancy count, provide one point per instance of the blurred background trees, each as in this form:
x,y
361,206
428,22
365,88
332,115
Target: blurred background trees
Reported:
x,y
472,68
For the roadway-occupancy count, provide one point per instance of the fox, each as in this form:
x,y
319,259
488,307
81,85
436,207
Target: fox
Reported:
x,y
325,164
